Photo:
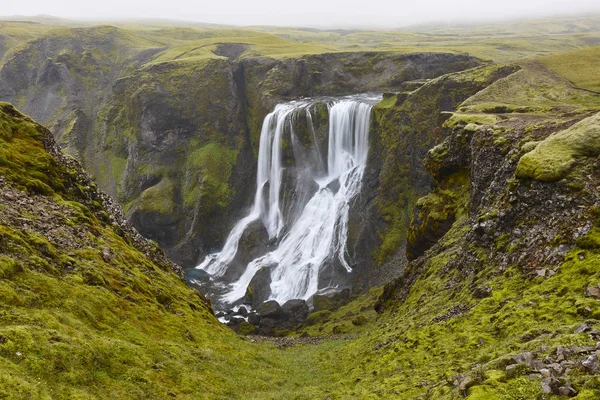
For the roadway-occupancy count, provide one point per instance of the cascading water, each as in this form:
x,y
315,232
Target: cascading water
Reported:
x,y
317,236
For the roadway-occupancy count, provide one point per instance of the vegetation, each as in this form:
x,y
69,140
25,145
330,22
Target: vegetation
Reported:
x,y
552,158
89,311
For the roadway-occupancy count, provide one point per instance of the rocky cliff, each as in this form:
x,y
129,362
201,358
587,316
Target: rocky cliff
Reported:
x,y
175,141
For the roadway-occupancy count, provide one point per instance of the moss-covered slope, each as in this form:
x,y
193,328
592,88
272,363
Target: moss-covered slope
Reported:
x,y
91,310
503,301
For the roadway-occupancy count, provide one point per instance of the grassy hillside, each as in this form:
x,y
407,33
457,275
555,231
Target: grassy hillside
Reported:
x,y
500,42
89,310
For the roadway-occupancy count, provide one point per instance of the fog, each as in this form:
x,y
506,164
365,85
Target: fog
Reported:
x,y
309,13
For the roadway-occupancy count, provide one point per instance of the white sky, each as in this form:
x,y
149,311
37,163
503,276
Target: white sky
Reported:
x,y
313,13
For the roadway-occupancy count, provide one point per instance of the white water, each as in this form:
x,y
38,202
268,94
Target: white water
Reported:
x,y
318,235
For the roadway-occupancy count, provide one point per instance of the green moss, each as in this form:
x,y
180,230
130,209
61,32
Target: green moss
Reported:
x,y
554,157
470,120
245,328
317,316
159,198
210,168
590,241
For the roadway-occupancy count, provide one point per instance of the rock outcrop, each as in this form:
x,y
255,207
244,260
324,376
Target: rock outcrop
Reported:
x,y
175,141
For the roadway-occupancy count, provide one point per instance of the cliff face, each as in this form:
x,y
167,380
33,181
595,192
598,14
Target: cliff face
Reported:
x,y
406,125
175,142
505,258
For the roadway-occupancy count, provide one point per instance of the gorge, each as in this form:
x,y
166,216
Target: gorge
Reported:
x,y
436,237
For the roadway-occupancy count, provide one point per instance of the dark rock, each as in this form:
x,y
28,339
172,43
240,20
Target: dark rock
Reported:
x,y
330,301
267,326
259,288
234,321
253,318
242,311
271,309
195,274
334,186
294,306
253,244
296,311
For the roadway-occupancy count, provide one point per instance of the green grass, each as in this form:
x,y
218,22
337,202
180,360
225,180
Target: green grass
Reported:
x,y
580,67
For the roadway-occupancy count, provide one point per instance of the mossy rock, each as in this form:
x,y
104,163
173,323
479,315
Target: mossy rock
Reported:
x,y
554,157
245,328
321,303
315,317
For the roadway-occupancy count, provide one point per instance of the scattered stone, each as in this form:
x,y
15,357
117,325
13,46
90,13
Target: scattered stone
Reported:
x,y
514,370
482,292
550,385
582,328
556,369
562,353
567,391
593,291
524,358
591,364
464,383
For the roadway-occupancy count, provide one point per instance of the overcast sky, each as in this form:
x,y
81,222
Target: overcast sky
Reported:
x,y
315,13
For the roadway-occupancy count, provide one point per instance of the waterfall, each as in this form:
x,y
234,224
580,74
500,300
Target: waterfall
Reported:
x,y
317,236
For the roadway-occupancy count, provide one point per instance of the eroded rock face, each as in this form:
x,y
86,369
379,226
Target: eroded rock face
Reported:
x,y
176,143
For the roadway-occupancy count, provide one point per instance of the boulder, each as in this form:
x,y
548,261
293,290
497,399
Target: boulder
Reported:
x,y
271,309
245,328
235,321
330,301
253,244
253,318
322,303
259,288
296,311
242,311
